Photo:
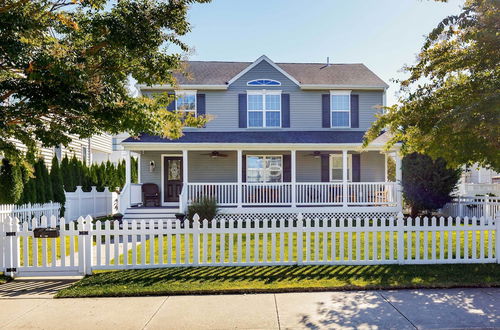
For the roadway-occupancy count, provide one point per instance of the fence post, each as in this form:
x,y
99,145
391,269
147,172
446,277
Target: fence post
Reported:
x,y
88,225
497,237
300,226
196,239
401,238
93,191
486,209
78,192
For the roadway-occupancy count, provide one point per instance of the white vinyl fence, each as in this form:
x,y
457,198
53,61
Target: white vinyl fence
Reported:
x,y
29,211
94,203
477,206
87,246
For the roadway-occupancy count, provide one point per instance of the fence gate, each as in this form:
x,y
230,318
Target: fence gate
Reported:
x,y
27,251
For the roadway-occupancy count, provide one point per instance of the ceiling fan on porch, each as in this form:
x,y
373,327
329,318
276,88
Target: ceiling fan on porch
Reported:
x,y
215,154
315,154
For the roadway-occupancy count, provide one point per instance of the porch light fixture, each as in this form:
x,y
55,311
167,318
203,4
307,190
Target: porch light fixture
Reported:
x,y
152,166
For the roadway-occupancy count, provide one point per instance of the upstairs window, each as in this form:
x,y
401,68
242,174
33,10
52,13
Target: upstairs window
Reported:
x,y
263,82
264,109
340,106
186,102
264,169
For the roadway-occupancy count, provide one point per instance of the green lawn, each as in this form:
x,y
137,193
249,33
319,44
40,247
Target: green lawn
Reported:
x,y
209,280
40,243
365,243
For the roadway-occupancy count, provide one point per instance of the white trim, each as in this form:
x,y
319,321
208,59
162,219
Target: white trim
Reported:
x,y
254,80
162,199
260,59
263,92
328,86
264,156
349,167
342,93
139,146
180,87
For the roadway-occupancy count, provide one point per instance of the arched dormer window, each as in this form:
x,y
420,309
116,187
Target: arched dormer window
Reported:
x,y
263,82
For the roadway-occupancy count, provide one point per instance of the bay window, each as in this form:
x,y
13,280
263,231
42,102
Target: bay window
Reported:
x,y
340,106
264,169
264,108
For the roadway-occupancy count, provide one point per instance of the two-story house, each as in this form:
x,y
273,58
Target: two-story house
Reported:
x,y
285,137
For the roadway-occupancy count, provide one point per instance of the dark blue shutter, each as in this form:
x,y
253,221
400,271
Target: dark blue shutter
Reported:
x,y
285,110
200,104
242,110
325,168
287,168
356,167
325,108
244,168
354,111
171,106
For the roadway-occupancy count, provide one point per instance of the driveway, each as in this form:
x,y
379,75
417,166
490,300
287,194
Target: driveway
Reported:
x,y
398,309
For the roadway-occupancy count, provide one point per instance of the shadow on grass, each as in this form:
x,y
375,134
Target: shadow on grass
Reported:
x,y
302,276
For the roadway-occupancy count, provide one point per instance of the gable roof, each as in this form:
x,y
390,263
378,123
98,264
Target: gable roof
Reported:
x,y
307,75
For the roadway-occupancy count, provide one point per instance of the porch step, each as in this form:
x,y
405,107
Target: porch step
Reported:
x,y
150,213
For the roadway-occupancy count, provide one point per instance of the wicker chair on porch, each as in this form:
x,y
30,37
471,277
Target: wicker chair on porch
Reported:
x,y
151,194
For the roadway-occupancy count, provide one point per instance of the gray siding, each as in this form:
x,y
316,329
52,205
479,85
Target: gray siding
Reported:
x,y
372,167
202,168
305,106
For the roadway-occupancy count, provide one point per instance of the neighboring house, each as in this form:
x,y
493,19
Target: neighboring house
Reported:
x,y
96,149
479,181
285,137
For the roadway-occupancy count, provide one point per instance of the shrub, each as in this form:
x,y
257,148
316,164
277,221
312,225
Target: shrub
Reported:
x,y
11,183
206,208
57,184
427,183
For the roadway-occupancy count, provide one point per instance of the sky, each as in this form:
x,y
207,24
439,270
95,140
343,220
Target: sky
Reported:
x,y
383,34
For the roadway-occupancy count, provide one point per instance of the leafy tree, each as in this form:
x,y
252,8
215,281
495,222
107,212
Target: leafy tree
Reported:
x,y
57,183
427,183
391,169
39,182
67,174
450,102
65,65
11,182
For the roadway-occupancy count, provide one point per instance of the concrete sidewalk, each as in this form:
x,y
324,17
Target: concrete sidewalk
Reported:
x,y
401,309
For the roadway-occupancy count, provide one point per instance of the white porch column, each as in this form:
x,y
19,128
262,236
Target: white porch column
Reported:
x,y
344,178
293,160
239,175
128,178
185,168
399,187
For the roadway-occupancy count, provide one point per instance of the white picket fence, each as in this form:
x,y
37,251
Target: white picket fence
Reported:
x,y
87,246
477,206
94,203
29,211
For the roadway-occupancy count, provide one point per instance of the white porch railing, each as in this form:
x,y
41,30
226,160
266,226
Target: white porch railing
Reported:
x,y
371,193
303,194
478,206
266,193
471,189
135,193
324,193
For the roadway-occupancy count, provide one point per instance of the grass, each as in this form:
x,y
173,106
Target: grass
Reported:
x,y
218,280
41,244
4,279
323,242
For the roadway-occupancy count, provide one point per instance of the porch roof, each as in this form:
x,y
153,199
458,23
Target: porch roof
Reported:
x,y
260,137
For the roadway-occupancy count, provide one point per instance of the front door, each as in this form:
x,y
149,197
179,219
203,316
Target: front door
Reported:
x,y
172,183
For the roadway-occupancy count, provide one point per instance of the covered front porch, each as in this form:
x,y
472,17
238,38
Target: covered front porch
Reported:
x,y
263,178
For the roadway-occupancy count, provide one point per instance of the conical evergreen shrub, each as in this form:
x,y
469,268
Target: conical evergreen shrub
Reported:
x,y
57,183
11,183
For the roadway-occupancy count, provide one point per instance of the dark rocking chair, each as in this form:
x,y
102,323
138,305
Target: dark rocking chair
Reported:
x,y
151,193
